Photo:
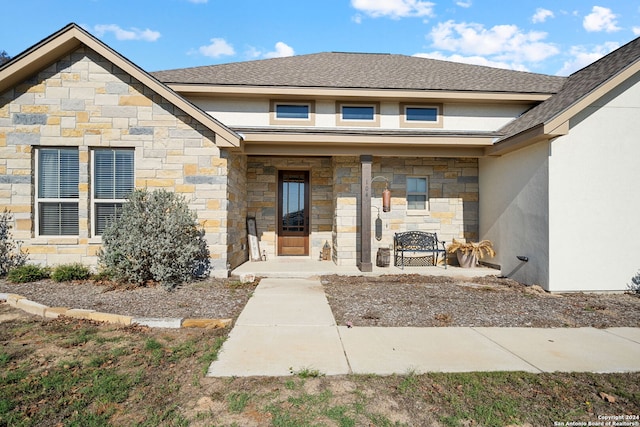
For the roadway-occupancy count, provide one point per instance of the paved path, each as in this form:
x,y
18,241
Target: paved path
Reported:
x,y
287,326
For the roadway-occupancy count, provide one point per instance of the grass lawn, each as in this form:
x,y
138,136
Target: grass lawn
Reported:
x,y
81,373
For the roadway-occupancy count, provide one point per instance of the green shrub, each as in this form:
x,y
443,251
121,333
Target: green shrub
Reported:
x,y
28,273
103,275
634,287
156,238
11,255
68,272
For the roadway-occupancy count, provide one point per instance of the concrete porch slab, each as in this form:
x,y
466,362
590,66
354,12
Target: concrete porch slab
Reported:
x,y
305,267
569,349
387,351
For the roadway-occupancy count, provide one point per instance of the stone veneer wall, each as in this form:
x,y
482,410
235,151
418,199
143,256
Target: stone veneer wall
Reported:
x,y
85,101
453,201
262,198
236,206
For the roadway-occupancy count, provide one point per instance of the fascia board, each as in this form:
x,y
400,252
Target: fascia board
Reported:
x,y
386,94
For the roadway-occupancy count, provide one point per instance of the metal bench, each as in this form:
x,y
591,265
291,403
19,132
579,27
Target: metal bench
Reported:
x,y
409,249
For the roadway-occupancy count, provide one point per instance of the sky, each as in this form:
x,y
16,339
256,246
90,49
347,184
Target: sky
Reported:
x,y
556,37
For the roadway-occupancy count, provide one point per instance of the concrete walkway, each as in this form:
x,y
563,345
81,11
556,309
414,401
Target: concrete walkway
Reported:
x,y
287,326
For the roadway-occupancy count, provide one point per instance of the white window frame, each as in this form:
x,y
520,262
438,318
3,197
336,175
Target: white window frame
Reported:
x,y
96,201
42,200
275,120
341,121
420,123
425,210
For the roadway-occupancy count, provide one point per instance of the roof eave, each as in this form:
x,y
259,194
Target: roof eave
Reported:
x,y
201,89
526,138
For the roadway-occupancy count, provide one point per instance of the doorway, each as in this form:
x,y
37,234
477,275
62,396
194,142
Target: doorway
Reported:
x,y
293,213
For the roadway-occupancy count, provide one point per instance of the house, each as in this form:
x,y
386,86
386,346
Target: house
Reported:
x,y
539,164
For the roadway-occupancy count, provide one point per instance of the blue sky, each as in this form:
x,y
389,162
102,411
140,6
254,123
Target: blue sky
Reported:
x,y
551,37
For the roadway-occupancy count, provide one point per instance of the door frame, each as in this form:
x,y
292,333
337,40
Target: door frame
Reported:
x,y
307,204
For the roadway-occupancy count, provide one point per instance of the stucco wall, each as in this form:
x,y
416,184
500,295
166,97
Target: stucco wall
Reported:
x,y
514,212
85,101
457,116
594,196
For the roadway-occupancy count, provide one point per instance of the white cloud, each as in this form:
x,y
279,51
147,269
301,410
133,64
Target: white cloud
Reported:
x,y
474,60
464,3
217,48
600,19
131,34
500,43
636,31
581,57
394,9
541,15
282,50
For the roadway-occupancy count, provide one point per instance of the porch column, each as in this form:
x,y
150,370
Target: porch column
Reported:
x,y
365,214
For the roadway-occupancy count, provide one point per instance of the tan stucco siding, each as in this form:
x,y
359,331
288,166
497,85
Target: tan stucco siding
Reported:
x,y
514,212
594,203
457,116
85,101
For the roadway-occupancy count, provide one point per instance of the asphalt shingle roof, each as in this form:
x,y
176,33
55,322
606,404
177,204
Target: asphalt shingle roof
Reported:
x,y
577,86
365,71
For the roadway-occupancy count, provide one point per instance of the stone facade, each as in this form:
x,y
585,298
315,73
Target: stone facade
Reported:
x,y
85,101
262,197
335,200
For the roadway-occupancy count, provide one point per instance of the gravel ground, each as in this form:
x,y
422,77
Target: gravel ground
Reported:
x,y
211,298
400,300
413,300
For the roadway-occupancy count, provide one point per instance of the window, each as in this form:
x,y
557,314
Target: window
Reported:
x,y
57,176
420,116
292,113
113,180
351,112
417,193
357,114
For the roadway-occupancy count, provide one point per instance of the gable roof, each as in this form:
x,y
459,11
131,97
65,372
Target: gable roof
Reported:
x,y
364,71
581,89
72,36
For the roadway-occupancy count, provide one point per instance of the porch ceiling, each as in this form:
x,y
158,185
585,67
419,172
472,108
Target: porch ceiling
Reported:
x,y
327,142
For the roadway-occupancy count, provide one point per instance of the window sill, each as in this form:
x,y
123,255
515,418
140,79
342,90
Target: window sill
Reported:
x,y
55,240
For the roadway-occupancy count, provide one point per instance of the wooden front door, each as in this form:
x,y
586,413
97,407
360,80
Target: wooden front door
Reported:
x,y
293,213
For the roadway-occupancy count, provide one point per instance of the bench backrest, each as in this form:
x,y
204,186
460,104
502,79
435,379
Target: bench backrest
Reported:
x,y
415,240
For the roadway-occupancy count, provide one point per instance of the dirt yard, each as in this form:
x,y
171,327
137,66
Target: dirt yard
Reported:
x,y
77,372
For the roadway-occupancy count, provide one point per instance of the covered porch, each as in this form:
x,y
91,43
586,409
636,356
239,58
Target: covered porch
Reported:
x,y
299,267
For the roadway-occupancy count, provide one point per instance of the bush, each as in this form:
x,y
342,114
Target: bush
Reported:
x,y
157,239
28,273
635,284
68,272
11,255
